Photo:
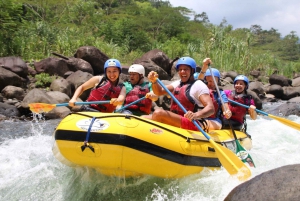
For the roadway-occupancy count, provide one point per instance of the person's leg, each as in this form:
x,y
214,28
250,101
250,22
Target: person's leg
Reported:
x,y
213,125
166,117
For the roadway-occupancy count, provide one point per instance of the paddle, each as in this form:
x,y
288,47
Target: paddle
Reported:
x,y
282,120
126,106
228,159
44,107
240,150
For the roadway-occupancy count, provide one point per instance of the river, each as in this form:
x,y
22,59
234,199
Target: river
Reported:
x,y
29,171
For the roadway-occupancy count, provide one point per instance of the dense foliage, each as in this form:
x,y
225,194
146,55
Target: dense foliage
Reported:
x,y
125,29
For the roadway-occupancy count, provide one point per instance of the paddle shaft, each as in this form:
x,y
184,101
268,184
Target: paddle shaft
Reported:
x,y
134,102
246,106
83,103
221,99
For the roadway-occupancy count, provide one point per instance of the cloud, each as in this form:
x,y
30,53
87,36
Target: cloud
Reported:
x,y
284,16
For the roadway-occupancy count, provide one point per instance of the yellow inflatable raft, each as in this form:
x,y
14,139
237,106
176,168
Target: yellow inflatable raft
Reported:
x,y
126,145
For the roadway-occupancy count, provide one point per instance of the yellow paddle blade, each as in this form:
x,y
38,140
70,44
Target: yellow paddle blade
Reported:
x,y
286,122
231,162
41,107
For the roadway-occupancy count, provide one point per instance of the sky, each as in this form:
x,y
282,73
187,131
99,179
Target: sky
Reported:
x,y
282,15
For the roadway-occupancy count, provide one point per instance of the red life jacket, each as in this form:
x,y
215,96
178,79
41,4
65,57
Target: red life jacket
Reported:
x,y
238,112
182,94
138,92
105,92
216,104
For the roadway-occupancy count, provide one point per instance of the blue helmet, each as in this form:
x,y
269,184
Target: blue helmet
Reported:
x,y
196,75
112,63
186,61
215,72
242,77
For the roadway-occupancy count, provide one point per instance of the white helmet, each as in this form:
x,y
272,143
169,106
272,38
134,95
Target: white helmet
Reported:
x,y
137,68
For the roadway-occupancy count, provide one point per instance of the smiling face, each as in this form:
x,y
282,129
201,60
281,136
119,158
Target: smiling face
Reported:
x,y
184,72
112,73
210,82
239,86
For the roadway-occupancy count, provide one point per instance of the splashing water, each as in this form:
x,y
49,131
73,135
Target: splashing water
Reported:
x,y
29,171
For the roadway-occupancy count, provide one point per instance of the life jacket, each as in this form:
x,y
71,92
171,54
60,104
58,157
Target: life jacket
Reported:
x,y
104,92
238,112
182,94
217,105
138,92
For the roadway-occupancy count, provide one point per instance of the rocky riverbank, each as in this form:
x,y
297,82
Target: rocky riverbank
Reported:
x,y
18,83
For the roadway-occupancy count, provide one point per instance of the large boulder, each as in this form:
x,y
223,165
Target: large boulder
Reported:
x,y
290,92
276,90
77,79
76,64
280,80
52,66
7,77
59,96
15,65
62,85
94,56
277,184
258,88
158,57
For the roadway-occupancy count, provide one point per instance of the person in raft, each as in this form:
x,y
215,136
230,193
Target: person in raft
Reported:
x,y
220,112
239,94
107,88
192,94
137,88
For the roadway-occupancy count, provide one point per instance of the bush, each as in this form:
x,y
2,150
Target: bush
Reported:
x,y
43,80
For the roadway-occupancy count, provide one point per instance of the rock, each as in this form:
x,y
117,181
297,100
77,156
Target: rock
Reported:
x,y
93,56
59,96
52,66
9,78
77,79
276,90
296,82
13,92
15,65
157,57
76,64
9,110
279,80
257,87
286,109
37,96
290,92
62,85
277,184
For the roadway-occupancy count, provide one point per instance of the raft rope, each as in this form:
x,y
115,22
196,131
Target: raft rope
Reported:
x,y
86,142
188,139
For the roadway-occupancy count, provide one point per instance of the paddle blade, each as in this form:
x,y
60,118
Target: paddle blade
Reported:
x,y
243,154
41,107
286,122
231,162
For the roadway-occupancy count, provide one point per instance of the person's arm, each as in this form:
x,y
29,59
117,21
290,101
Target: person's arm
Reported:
x,y
120,99
87,85
252,112
157,89
225,108
204,68
208,105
